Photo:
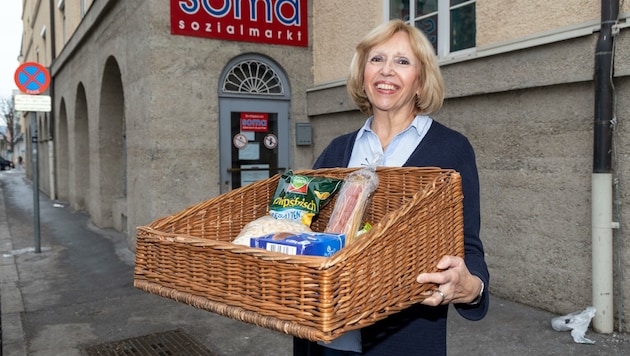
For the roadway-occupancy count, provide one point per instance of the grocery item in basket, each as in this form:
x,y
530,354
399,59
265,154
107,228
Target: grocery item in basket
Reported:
x,y
267,225
366,227
300,197
351,203
306,243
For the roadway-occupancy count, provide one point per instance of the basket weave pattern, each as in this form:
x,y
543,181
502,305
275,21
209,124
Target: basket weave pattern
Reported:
x,y
417,218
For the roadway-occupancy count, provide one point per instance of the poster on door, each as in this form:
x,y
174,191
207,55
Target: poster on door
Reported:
x,y
256,122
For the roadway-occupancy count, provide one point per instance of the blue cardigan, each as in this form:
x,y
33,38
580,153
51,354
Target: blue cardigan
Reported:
x,y
421,329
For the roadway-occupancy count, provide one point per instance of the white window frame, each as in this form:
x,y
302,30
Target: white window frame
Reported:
x,y
444,26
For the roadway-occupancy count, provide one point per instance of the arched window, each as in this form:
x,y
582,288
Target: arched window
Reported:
x,y
252,77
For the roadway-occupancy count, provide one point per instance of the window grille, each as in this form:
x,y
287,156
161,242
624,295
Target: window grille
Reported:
x,y
252,77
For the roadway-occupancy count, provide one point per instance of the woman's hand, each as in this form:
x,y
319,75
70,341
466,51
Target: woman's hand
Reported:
x,y
454,281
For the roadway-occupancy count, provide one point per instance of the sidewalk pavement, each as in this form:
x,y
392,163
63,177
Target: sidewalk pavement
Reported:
x,y
76,297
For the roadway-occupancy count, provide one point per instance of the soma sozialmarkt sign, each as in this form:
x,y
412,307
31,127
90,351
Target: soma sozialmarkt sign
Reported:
x,y
282,22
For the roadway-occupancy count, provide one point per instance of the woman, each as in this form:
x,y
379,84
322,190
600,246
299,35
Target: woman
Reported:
x,y
396,81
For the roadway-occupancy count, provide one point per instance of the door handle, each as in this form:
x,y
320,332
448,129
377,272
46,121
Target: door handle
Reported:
x,y
233,170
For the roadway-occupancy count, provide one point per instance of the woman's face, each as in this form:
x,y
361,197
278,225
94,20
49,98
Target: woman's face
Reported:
x,y
390,78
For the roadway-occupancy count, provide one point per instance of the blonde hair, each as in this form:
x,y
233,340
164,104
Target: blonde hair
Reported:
x,y
430,94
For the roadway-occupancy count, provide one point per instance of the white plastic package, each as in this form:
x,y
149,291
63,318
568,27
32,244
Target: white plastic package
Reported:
x,y
267,225
577,322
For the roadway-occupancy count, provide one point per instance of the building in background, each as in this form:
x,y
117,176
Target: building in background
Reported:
x,y
158,105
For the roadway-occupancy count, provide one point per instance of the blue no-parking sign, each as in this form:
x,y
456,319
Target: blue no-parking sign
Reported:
x,y
32,78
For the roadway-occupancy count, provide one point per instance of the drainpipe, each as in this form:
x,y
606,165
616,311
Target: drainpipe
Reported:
x,y
602,180
51,135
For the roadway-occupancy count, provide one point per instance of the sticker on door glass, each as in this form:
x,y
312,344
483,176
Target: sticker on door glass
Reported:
x,y
250,153
271,141
240,141
251,135
254,121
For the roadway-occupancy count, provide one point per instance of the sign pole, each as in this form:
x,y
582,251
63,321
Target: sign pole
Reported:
x,y
33,79
35,183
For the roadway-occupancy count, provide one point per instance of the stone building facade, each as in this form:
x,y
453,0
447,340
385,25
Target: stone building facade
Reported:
x,y
139,127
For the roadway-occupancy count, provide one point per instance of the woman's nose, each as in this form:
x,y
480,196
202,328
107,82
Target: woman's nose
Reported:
x,y
387,67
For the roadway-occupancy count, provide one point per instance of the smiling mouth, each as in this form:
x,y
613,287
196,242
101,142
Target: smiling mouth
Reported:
x,y
385,86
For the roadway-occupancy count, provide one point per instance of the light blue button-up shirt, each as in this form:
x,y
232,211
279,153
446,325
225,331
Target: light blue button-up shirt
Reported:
x,y
368,150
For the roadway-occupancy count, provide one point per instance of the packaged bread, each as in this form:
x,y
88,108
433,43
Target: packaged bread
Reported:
x,y
352,201
268,225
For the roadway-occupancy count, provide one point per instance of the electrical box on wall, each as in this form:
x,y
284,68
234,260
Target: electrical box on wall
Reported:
x,y
303,134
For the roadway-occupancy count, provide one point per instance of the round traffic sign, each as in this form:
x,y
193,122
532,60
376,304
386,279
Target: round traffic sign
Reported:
x,y
32,78
271,141
240,141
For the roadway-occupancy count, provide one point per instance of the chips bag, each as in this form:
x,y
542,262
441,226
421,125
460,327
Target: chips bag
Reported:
x,y
300,197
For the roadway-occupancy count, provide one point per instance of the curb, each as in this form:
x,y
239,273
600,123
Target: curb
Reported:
x,y
13,342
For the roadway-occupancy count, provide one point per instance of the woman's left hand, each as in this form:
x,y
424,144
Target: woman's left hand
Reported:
x,y
454,281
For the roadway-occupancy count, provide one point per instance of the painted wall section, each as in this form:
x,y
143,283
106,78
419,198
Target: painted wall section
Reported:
x,y
498,21
334,36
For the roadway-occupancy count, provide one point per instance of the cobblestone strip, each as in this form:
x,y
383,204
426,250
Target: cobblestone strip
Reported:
x,y
11,304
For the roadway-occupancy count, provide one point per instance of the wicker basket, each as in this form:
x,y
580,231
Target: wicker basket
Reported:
x,y
417,216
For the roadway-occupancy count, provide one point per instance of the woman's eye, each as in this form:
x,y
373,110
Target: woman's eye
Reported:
x,y
403,61
376,59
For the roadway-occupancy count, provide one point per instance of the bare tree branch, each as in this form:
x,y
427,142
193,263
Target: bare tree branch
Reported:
x,y
7,114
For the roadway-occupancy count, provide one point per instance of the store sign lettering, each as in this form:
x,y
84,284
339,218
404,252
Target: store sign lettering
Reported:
x,y
258,122
281,22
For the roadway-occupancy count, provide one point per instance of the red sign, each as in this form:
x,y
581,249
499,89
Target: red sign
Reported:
x,y
32,78
258,122
281,22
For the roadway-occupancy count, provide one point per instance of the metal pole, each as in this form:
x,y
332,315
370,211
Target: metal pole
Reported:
x,y
602,254
35,182
602,194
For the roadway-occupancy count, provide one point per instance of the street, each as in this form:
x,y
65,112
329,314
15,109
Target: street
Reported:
x,y
77,296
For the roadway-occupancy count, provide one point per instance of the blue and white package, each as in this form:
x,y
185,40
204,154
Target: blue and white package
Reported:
x,y
306,243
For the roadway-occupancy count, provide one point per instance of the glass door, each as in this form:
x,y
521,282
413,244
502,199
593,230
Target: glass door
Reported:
x,y
254,140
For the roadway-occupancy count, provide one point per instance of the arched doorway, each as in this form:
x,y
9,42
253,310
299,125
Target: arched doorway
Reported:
x,y
63,153
254,101
112,150
80,159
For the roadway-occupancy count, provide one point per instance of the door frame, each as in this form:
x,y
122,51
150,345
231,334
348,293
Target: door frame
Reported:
x,y
269,99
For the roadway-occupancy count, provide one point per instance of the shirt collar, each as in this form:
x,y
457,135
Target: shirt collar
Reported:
x,y
417,124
